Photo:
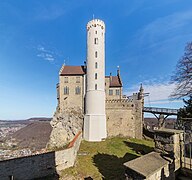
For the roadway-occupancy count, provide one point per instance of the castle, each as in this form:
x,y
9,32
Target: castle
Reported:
x,y
107,112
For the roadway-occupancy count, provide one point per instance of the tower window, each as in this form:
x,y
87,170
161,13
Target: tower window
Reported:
x,y
110,92
95,86
66,80
95,75
117,92
66,90
77,90
96,65
77,79
95,32
96,41
96,54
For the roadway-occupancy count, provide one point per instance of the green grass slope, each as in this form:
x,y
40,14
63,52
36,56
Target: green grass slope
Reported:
x,y
104,160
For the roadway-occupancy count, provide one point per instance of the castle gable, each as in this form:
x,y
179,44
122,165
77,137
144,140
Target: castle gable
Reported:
x,y
72,70
114,81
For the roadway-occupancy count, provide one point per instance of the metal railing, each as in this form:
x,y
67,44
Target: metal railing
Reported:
x,y
161,110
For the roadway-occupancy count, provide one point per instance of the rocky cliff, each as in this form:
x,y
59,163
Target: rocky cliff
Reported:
x,y
65,126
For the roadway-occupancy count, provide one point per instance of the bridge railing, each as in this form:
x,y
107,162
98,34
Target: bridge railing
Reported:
x,y
160,110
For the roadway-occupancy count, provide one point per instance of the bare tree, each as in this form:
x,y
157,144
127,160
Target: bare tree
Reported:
x,y
183,74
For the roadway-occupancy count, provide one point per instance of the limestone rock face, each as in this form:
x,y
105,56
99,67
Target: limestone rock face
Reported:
x,y
65,126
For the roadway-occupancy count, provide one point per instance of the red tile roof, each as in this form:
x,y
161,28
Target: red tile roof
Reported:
x,y
72,70
115,81
80,70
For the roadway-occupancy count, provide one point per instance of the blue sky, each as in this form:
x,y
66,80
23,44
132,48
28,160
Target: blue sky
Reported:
x,y
144,37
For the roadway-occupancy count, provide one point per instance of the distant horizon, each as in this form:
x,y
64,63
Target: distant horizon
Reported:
x,y
151,116
144,38
26,119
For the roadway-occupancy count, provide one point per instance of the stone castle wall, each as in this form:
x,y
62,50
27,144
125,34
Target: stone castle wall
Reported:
x,y
41,165
124,118
71,100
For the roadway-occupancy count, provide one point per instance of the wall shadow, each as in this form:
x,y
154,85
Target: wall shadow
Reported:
x,y
148,134
139,148
41,166
111,166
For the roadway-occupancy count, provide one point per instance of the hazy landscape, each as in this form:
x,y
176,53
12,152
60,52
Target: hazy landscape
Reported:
x,y
23,137
26,137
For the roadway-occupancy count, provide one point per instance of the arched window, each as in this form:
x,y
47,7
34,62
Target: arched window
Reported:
x,y
95,86
95,75
95,54
96,65
66,90
77,90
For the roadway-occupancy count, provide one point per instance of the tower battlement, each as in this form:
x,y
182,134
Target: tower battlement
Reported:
x,y
119,100
95,23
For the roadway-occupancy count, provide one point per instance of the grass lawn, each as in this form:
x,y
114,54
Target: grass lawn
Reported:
x,y
104,160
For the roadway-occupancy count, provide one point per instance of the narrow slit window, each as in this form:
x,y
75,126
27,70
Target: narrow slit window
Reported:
x,y
96,54
95,75
96,41
96,65
95,86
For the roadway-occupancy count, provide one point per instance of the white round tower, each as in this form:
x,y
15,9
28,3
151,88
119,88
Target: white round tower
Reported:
x,y
95,118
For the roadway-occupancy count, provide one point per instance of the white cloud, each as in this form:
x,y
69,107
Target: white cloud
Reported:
x,y
158,93
45,54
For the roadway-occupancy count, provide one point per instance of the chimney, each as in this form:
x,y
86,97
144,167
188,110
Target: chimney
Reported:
x,y
110,77
118,71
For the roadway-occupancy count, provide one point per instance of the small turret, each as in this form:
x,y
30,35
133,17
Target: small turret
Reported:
x,y
141,92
